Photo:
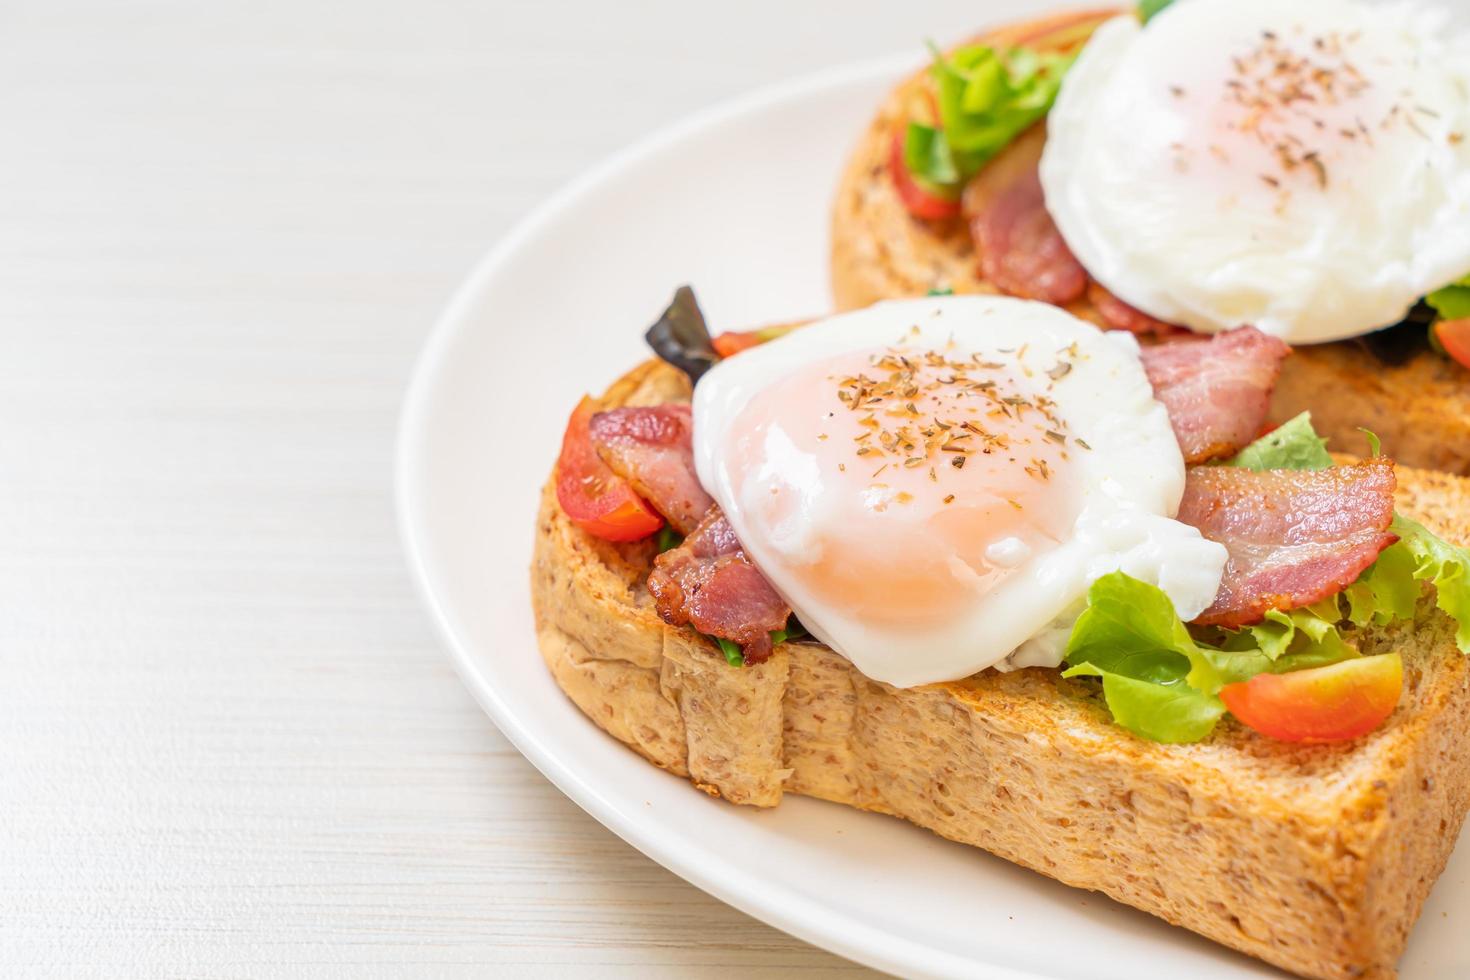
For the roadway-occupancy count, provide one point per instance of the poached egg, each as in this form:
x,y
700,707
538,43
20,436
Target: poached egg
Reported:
x,y
1301,166
932,485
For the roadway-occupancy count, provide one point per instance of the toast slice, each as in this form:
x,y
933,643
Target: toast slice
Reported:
x,y
1420,407
1314,858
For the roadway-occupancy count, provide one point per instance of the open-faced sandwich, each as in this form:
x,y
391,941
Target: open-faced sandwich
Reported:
x,y
1300,166
973,562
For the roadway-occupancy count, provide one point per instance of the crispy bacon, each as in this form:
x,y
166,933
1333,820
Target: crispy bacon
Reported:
x,y
1021,251
1218,390
708,583
1120,316
1295,537
652,449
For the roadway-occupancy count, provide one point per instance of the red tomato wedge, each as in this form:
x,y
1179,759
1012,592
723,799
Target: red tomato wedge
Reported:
x,y
918,200
1454,337
1321,704
732,342
596,499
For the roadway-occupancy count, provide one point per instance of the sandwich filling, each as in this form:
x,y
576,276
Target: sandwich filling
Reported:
x,y
935,487
1205,164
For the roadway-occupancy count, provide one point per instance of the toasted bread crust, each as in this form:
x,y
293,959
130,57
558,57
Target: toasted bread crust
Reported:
x,y
1316,859
1421,409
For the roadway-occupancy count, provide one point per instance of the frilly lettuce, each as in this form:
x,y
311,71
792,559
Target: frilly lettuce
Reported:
x,y
1419,556
1389,590
986,98
1293,445
1148,9
1453,301
1161,679
1157,681
1160,711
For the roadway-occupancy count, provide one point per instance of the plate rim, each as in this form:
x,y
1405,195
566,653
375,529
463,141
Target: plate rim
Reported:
x,y
806,919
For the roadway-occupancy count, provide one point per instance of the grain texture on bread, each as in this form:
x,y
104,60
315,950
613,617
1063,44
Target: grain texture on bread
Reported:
x,y
1316,859
1421,409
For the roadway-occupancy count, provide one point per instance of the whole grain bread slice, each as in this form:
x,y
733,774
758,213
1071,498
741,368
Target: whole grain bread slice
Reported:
x,y
1421,407
1316,859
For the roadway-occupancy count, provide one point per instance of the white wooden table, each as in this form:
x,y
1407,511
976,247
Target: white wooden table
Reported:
x,y
229,743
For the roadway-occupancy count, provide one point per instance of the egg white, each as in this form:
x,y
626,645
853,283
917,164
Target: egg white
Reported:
x,y
1131,483
1179,217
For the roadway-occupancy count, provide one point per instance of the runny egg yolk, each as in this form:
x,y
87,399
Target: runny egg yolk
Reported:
x,y
902,483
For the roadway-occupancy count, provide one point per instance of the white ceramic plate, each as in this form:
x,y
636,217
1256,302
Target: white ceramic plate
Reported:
x,y
735,202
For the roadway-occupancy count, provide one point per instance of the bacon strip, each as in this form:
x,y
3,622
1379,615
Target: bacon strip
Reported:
x,y
1120,316
708,583
1021,251
1218,390
652,448
1295,537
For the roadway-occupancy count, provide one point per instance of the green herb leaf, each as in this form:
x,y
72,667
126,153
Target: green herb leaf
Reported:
x,y
1453,301
1149,9
1293,445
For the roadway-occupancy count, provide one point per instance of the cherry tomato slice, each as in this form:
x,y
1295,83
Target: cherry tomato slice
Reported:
x,y
1320,704
1454,337
596,499
917,199
732,342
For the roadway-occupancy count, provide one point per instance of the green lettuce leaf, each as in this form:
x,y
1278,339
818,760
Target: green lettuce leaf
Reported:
x,y
1443,565
1453,301
929,158
986,98
1302,638
1389,590
1160,681
1149,9
1293,445
1157,682
1173,712
1130,628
